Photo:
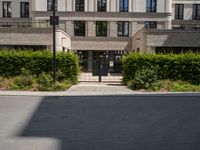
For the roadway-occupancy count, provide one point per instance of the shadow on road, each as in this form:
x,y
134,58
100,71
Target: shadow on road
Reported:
x,y
118,123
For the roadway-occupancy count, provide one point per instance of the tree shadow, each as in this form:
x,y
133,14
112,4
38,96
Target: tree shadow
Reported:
x,y
117,123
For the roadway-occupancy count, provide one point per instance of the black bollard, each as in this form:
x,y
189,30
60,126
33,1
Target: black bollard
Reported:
x,y
99,70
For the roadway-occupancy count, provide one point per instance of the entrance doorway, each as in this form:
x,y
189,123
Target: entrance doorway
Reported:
x,y
111,60
100,63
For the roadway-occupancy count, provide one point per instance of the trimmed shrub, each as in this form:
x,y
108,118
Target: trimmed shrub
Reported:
x,y
36,62
185,67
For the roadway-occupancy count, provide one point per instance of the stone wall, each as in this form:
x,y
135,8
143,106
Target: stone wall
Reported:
x,y
147,40
34,37
100,43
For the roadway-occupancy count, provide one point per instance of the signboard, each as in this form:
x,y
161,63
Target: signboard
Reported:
x,y
56,20
111,64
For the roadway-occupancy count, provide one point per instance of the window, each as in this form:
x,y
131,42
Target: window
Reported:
x,y
179,11
101,5
150,24
101,28
196,12
123,29
50,5
151,5
79,5
79,28
24,9
7,11
123,6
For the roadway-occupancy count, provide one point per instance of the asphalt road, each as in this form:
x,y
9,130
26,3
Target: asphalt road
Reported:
x,y
100,123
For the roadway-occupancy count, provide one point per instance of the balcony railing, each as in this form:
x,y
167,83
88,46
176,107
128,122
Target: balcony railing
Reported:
x,y
186,26
38,24
177,27
179,17
151,9
123,9
196,17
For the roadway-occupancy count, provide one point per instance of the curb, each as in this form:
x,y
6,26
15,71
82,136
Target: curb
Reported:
x,y
66,93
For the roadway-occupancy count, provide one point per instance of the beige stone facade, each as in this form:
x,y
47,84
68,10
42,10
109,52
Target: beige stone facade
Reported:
x,y
168,32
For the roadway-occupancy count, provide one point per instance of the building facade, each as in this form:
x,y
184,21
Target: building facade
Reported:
x,y
106,28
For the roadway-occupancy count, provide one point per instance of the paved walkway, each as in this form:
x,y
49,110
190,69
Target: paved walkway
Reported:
x,y
96,88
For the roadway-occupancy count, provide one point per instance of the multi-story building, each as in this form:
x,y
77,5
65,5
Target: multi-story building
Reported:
x,y
107,28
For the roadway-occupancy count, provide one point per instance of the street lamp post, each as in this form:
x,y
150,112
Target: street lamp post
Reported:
x,y
54,40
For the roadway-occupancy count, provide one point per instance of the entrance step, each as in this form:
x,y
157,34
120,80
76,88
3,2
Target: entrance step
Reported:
x,y
96,88
112,77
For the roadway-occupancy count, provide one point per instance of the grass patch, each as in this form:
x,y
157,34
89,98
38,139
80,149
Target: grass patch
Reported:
x,y
43,82
174,86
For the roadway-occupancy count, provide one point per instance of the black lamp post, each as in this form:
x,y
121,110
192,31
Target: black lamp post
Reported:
x,y
54,39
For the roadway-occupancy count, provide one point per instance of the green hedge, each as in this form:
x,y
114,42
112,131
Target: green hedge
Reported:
x,y
184,67
12,62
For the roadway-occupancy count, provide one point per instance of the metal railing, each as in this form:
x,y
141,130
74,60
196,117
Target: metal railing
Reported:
x,y
176,27
179,17
30,24
195,17
150,9
186,26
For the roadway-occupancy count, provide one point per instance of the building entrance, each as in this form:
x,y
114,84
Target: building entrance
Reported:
x,y
111,61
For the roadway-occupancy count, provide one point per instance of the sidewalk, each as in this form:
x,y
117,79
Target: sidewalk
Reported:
x,y
96,88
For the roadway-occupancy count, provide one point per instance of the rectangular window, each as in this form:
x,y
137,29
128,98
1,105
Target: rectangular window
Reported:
x,y
79,28
101,28
24,9
151,5
179,11
196,12
101,5
7,11
123,29
151,25
50,5
79,5
123,5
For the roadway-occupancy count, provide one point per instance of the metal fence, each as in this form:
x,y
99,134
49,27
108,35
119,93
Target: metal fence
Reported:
x,y
175,26
30,24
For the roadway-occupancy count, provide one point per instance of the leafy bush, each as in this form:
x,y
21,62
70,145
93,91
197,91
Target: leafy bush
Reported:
x,y
185,67
62,86
144,78
1,81
60,75
45,82
22,82
36,62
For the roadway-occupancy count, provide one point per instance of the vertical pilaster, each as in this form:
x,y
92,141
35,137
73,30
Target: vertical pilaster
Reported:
x,y
113,29
91,28
86,5
108,6
130,5
73,5
95,5
70,28
117,6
